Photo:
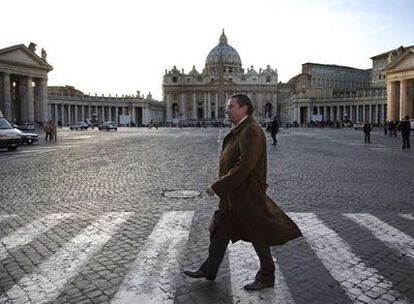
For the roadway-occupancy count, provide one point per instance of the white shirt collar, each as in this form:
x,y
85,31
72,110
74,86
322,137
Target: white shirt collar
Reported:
x,y
244,118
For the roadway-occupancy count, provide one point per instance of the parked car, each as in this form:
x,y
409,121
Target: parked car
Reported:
x,y
108,125
358,125
79,126
28,138
9,137
27,126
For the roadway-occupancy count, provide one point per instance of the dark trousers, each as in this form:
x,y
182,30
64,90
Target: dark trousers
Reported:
x,y
406,140
273,135
219,239
367,138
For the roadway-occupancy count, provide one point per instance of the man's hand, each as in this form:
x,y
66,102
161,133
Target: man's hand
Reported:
x,y
210,191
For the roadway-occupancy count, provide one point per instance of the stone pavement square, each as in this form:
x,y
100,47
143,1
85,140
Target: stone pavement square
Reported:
x,y
78,217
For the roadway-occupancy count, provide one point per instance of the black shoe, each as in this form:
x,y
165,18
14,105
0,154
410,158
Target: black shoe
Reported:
x,y
257,285
198,274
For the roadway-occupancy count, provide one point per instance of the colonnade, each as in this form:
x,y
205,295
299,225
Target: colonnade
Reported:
x,y
207,105
66,114
372,113
23,98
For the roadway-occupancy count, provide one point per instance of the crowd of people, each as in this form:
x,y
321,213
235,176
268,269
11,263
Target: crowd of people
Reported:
x,y
390,128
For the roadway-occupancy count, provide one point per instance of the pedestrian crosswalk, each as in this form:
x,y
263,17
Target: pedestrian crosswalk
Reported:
x,y
155,273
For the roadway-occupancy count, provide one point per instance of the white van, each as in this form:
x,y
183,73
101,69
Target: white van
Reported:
x,y
9,137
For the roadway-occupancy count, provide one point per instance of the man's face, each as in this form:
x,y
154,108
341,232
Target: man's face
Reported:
x,y
234,111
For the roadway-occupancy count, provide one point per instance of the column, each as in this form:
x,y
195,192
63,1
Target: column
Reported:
x,y
392,101
403,101
331,116
309,113
274,105
194,105
295,112
7,110
30,99
357,114
116,115
56,117
209,105
145,115
183,107
370,113
110,113
83,113
133,118
363,114
216,105
76,113
382,113
43,99
69,114
62,115
205,105
169,107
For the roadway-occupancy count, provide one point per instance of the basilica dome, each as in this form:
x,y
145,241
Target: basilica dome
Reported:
x,y
228,54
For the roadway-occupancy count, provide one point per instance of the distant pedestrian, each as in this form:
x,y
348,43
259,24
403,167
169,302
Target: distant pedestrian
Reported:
x,y
53,132
385,128
367,130
405,132
47,130
390,128
274,129
394,128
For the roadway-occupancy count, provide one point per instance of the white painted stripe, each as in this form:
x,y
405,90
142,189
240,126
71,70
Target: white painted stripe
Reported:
x,y
407,216
6,216
50,277
391,236
338,258
30,232
151,274
244,265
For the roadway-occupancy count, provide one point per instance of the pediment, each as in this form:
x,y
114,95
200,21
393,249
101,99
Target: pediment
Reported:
x,y
404,62
21,55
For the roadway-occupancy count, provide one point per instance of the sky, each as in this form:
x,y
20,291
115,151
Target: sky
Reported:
x,y
125,46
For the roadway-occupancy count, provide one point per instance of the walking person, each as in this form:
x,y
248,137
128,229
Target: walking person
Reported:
x,y
367,131
405,132
390,128
274,129
245,211
47,129
385,128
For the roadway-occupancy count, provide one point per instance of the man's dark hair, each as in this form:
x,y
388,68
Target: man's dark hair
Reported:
x,y
244,100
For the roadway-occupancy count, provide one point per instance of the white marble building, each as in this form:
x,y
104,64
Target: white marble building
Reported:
x,y
201,96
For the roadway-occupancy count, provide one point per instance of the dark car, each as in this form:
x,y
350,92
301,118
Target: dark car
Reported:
x,y
79,126
108,125
9,137
28,138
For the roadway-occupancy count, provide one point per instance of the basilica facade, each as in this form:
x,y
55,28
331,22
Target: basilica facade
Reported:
x,y
201,96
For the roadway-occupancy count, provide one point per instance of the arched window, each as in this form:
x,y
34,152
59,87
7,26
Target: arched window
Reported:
x,y
175,110
268,110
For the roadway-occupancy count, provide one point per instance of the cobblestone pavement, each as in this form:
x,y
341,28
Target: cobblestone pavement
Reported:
x,y
84,219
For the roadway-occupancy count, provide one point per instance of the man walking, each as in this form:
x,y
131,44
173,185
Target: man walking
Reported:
x,y
274,129
367,131
405,132
245,211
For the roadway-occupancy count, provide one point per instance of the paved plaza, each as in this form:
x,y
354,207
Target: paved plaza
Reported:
x,y
86,219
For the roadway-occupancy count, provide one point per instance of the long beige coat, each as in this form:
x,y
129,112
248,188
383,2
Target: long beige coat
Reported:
x,y
250,213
